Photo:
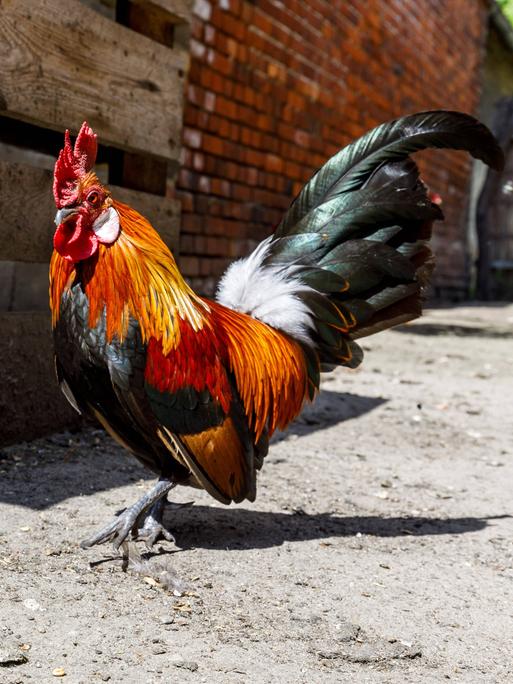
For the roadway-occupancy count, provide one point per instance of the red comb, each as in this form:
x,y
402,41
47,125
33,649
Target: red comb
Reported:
x,y
73,163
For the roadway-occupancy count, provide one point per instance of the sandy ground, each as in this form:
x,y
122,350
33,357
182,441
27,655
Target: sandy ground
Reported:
x,y
379,549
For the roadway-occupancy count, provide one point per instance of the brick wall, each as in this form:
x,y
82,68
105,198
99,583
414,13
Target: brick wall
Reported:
x,y
276,87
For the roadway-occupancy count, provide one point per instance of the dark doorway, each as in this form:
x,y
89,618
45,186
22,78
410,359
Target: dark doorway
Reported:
x,y
494,218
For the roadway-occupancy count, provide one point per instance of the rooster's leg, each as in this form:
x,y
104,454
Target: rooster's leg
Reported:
x,y
119,529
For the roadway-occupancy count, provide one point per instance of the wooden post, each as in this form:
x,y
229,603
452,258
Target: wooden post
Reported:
x,y
126,79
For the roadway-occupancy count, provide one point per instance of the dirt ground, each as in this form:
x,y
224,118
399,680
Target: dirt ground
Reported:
x,y
380,548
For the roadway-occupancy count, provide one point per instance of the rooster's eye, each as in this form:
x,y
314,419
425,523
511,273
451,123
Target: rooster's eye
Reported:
x,y
93,198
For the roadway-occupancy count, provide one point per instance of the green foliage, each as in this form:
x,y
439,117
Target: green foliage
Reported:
x,y
507,8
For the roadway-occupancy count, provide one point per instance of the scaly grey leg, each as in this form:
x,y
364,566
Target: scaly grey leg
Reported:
x,y
119,529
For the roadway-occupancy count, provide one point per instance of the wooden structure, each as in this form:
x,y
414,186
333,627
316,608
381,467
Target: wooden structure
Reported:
x,y
121,66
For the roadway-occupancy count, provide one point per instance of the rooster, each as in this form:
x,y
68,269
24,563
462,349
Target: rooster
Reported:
x,y
195,387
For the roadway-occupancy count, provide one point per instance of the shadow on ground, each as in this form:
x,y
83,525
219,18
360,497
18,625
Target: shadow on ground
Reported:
x,y
42,473
330,408
235,528
241,528
440,329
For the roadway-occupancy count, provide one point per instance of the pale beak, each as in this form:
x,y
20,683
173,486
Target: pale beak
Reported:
x,y
63,215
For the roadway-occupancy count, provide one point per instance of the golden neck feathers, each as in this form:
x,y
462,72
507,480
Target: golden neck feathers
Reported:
x,y
135,276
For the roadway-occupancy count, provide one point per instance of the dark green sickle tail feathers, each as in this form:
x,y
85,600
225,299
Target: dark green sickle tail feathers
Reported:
x,y
354,241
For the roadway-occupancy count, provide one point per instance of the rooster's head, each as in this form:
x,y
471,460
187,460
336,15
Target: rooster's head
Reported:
x,y
85,215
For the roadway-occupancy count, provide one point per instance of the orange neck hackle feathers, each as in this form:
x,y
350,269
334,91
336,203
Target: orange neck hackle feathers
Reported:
x,y
136,276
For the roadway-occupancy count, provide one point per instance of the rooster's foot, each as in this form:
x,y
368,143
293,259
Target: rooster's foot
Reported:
x,y
118,530
153,528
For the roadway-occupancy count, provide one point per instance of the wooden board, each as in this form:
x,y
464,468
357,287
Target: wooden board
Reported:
x,y
62,62
23,286
31,403
27,212
181,10
166,21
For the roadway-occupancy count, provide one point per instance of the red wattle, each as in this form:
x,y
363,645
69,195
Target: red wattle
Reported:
x,y
74,242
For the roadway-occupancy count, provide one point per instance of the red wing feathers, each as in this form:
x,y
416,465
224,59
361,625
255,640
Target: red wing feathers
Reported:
x,y
198,362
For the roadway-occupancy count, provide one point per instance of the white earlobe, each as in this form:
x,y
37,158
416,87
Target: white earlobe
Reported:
x,y
106,226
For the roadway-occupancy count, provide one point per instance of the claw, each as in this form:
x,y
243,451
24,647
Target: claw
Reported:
x,y
149,508
153,527
150,533
116,531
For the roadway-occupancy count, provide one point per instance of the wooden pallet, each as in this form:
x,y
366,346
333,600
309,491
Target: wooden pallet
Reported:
x,y
121,66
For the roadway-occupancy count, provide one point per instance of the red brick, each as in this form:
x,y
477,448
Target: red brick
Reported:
x,y
204,184
192,223
198,161
187,244
221,187
213,144
217,246
192,138
190,265
273,163
276,88
219,62
210,34
186,201
226,107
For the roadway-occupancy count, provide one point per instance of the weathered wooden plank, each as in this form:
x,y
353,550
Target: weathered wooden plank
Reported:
x,y
135,171
151,20
27,213
61,63
180,10
31,403
139,172
23,286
